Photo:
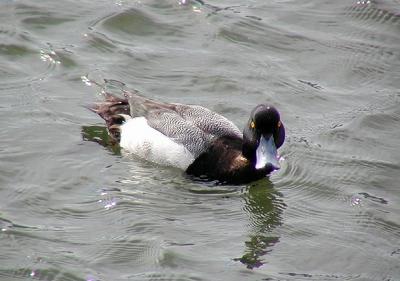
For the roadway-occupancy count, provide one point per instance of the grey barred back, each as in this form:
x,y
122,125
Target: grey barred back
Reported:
x,y
208,121
191,125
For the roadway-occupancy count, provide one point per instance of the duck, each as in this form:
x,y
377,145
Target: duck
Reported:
x,y
203,143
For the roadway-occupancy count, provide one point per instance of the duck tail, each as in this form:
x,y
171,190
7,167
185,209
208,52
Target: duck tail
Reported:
x,y
115,111
140,105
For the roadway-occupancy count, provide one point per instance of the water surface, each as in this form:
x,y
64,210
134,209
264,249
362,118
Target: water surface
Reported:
x,y
73,208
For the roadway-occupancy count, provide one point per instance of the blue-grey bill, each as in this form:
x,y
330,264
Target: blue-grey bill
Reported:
x,y
266,153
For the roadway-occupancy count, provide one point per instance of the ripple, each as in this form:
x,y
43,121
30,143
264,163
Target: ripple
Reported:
x,y
374,50
14,68
134,252
373,198
39,274
61,56
14,50
49,56
362,138
237,33
264,207
157,276
330,170
325,277
39,18
5,224
303,170
375,12
135,22
101,42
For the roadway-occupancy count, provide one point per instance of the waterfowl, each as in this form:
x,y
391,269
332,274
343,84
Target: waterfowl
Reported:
x,y
201,142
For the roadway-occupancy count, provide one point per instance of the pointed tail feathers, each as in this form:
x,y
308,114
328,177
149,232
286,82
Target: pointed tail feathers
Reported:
x,y
114,110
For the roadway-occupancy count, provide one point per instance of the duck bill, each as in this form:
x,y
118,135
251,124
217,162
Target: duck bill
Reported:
x,y
266,153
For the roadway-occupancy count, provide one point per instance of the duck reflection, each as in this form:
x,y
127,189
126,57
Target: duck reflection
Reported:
x,y
100,135
264,206
262,203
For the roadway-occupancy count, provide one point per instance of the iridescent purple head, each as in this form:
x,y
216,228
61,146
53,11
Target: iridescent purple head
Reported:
x,y
262,136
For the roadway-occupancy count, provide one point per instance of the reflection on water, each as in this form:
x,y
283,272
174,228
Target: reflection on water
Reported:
x,y
99,134
264,206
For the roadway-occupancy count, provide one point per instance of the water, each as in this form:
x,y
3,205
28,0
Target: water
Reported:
x,y
72,209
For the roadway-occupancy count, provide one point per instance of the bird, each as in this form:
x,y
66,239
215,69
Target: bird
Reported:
x,y
199,141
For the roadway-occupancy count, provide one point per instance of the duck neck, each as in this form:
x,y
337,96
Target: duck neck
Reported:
x,y
250,143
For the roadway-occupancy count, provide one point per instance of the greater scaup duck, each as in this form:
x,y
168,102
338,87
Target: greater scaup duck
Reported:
x,y
193,138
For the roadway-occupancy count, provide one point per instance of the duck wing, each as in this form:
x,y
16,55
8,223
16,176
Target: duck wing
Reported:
x,y
208,121
193,126
179,130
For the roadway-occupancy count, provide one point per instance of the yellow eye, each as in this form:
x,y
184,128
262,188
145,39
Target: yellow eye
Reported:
x,y
252,125
279,124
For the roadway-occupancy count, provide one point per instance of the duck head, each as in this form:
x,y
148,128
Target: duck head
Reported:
x,y
262,136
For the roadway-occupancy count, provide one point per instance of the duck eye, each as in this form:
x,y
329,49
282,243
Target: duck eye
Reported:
x,y
252,125
279,124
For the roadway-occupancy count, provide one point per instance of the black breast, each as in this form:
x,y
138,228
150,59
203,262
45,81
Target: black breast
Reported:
x,y
223,161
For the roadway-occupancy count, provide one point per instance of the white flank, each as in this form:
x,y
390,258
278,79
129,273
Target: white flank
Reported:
x,y
139,138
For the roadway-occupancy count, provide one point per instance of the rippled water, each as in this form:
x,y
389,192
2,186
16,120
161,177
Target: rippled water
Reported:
x,y
71,209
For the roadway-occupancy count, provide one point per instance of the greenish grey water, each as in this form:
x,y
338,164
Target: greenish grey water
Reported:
x,y
73,208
